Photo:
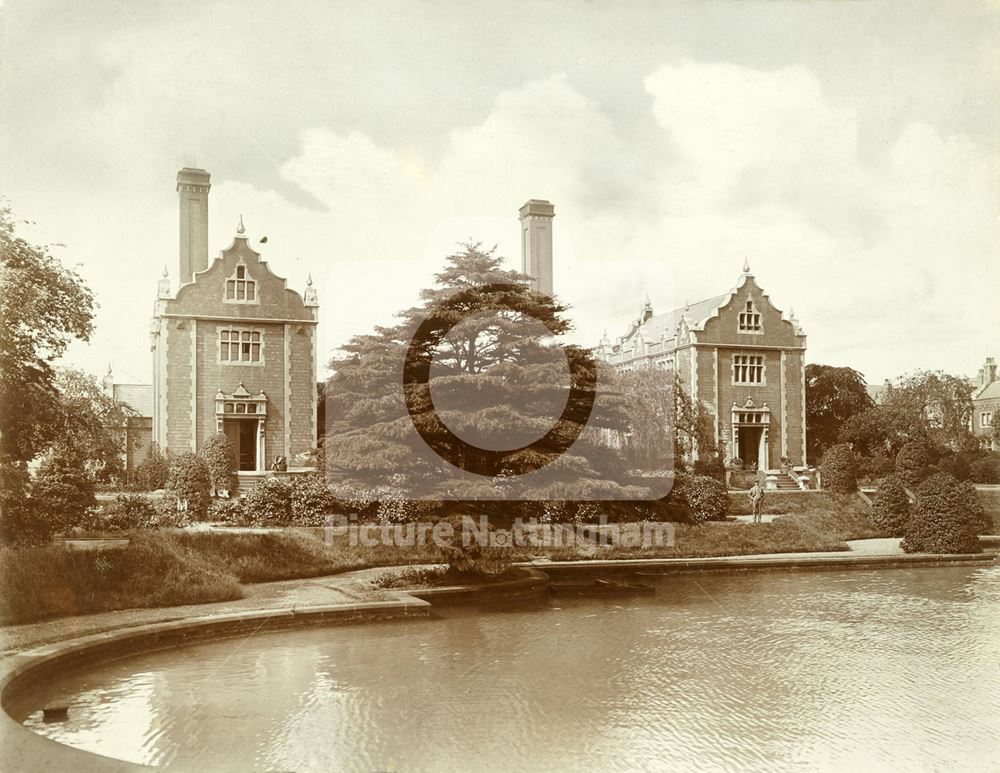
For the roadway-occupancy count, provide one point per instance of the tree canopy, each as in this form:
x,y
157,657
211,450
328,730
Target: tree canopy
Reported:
x,y
833,395
43,307
495,370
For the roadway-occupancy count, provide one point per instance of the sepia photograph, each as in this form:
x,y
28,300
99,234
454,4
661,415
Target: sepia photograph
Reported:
x,y
460,385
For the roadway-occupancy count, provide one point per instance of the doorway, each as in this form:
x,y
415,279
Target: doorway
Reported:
x,y
751,451
242,433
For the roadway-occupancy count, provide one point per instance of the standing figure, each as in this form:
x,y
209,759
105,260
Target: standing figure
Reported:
x,y
756,500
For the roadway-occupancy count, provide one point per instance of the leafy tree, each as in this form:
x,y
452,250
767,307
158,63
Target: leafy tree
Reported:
x,y
92,425
22,524
833,395
933,404
63,490
944,520
663,422
43,307
840,469
878,431
516,389
220,456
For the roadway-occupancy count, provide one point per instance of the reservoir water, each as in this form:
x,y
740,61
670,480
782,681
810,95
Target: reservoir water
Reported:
x,y
894,669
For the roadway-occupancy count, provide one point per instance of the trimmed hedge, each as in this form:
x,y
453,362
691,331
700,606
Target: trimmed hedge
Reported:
x,y
985,471
840,469
945,518
189,481
890,507
220,456
62,493
913,462
152,472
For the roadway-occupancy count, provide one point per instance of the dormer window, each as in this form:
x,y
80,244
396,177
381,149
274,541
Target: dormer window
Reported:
x,y
240,288
750,319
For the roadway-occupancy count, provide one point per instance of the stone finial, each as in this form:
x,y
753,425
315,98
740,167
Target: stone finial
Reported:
x,y
108,383
163,286
746,266
240,230
310,297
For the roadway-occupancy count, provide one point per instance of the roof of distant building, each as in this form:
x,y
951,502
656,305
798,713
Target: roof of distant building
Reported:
x,y
989,392
137,396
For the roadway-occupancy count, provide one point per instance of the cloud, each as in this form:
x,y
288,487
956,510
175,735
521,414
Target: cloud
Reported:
x,y
889,260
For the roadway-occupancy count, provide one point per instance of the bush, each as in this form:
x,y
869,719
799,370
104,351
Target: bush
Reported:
x,y
872,469
711,467
840,469
913,462
943,520
985,471
152,472
229,512
312,501
220,456
956,465
63,492
706,498
188,485
890,507
268,503
130,511
21,523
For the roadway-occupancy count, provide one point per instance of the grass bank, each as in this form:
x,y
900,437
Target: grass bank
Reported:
x,y
161,569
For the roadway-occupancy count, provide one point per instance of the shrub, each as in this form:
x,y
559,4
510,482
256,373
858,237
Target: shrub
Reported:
x,y
840,469
21,523
942,521
706,498
890,507
268,503
152,472
312,501
711,467
228,511
874,468
63,492
913,462
985,471
220,456
130,511
188,484
955,465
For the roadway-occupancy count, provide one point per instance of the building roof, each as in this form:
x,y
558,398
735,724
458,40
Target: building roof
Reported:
x,y
989,392
665,325
137,396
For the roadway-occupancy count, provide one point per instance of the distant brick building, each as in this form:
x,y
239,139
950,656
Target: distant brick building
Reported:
x,y
137,433
234,350
738,355
986,404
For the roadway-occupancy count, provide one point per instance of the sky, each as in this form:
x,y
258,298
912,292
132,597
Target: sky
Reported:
x,y
850,151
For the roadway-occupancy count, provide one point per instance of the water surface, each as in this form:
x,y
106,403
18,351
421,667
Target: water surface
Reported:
x,y
871,670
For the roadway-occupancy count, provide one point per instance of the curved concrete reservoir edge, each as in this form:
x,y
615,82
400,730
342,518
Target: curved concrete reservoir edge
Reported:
x,y
23,750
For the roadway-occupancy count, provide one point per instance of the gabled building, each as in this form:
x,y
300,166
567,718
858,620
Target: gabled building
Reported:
x,y
234,349
986,404
740,356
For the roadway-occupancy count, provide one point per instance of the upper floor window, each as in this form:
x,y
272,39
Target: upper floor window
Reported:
x,y
240,346
748,369
750,319
240,288
986,419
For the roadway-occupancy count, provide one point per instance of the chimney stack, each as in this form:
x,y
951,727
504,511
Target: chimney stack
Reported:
x,y
536,244
989,371
192,191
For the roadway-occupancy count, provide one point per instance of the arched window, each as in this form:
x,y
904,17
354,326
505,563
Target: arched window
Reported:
x,y
750,319
240,288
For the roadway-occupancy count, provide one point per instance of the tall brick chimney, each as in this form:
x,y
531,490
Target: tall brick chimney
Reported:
x,y
192,191
536,244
